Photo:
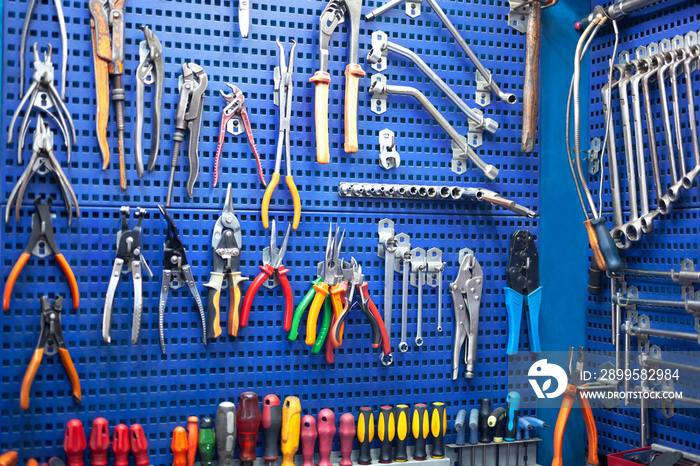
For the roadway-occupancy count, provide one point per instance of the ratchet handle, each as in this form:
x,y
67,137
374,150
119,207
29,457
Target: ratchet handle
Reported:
x,y
353,73
604,249
322,80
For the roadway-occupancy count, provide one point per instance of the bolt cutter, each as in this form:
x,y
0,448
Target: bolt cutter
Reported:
x,y
466,295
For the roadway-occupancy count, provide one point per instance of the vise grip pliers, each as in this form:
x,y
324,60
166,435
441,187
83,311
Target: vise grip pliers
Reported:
x,y
466,296
151,70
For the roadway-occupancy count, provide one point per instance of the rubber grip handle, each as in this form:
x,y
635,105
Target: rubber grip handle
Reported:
x,y
74,443
591,430
248,419
330,352
178,446
595,278
72,282
267,197
346,432
10,459
314,311
291,419
192,439
534,303
326,434
604,249
215,283
438,427
401,416
139,445
308,440
26,388
271,426
353,73
266,272
420,427
99,442
325,326
535,422
514,310
206,441
225,432
484,413
381,328
474,426
12,278
234,321
365,434
386,430
120,445
288,297
299,311
296,201
496,419
460,427
72,374
566,404
513,408
322,80
340,311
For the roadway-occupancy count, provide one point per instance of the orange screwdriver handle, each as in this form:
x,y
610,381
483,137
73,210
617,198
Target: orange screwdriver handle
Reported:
x,y
192,439
179,446
9,285
564,411
322,80
10,459
353,73
32,368
591,430
266,272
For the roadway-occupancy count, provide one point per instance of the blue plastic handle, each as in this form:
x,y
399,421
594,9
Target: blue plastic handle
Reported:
x,y
534,301
474,426
514,309
461,427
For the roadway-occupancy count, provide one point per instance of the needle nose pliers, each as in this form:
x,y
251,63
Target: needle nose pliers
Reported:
x,y
274,270
50,342
176,274
150,71
41,244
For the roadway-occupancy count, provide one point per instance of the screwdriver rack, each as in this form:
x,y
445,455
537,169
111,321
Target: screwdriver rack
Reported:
x,y
515,453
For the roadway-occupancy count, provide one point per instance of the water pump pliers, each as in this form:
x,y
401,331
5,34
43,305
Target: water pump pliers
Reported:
x,y
150,71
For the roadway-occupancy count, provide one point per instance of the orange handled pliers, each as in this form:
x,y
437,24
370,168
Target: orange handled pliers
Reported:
x,y
41,244
573,390
50,342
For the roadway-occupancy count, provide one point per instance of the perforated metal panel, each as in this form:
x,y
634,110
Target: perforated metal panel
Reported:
x,y
131,384
675,236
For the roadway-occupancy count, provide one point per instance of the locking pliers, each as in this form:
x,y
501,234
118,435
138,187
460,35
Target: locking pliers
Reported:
x,y
188,117
150,71
466,295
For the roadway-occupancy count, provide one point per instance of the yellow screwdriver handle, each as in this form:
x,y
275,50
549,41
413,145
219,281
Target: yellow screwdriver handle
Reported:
x,y
291,427
353,73
322,79
314,311
267,197
295,200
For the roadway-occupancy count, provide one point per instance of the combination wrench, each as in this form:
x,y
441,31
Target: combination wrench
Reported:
x,y
418,267
402,264
646,220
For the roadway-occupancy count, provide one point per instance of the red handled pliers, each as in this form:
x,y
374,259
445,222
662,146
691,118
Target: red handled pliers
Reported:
x,y
273,271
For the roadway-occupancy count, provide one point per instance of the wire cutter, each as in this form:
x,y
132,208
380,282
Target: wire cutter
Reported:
x,y
523,290
129,253
107,30
226,246
42,161
42,95
332,15
576,366
151,70
176,273
271,270
188,117
50,342
41,244
235,120
466,295
284,87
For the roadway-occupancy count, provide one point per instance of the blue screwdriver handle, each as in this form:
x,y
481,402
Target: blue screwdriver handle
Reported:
x,y
514,309
460,427
474,426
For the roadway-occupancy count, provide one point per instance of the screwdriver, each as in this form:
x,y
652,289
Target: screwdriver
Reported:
x,y
74,443
179,446
420,427
346,432
484,413
524,427
460,421
308,439
248,419
225,432
291,419
271,424
192,439
402,423
386,426
438,426
496,419
513,408
9,459
99,442
365,434
139,445
473,432
206,441
326,435
120,445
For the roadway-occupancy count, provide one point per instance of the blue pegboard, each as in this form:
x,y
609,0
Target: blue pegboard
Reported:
x,y
131,384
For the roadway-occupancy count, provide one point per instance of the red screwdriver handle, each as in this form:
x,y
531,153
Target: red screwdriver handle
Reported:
x,y
139,445
120,445
271,426
248,418
266,272
346,432
326,434
308,439
99,442
74,443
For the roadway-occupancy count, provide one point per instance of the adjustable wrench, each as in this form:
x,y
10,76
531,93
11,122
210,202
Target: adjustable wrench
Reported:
x,y
419,265
402,265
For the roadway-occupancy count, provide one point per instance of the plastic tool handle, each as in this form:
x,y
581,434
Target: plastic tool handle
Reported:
x,y
288,297
120,445
401,415
460,422
386,429
514,310
566,404
12,278
139,445
534,302
72,283
99,442
308,439
365,434
267,197
353,73
484,413
322,80
314,311
32,368
74,443
438,427
234,309
291,420
591,430
535,422
296,201
474,426
299,311
271,425
595,278
214,285
346,432
326,434
420,426
179,446
325,326
513,408
266,272
604,249
206,441
248,419
192,439
378,321
10,459
340,311
496,419
225,432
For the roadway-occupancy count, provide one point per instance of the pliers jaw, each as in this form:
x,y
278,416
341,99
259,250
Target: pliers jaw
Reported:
x,y
466,293
150,71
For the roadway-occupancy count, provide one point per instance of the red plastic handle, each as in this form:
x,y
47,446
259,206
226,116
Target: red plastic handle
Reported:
x,y
288,297
326,434
386,346
308,439
266,272
99,442
74,443
248,419
139,445
346,432
120,445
